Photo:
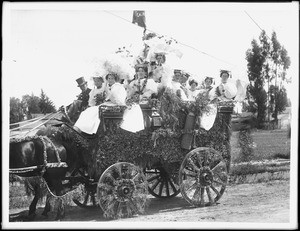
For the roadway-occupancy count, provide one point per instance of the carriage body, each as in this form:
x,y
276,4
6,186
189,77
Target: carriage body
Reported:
x,y
158,160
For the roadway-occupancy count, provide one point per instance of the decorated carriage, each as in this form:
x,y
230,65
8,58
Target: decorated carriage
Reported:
x,y
172,155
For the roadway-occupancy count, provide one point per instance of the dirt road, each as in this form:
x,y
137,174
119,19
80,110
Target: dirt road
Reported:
x,y
260,202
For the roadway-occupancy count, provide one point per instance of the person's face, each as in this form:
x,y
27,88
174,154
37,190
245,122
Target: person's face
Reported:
x,y
159,59
193,86
111,80
177,76
98,82
208,82
141,73
83,87
224,77
182,79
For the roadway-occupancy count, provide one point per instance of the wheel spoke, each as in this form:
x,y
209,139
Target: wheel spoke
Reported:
x,y
167,188
202,196
191,187
198,155
206,153
155,185
209,195
172,185
132,206
153,178
215,190
196,194
191,162
219,182
189,173
161,187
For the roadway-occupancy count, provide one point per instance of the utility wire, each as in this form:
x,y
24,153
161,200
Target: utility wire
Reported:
x,y
174,39
256,23
186,44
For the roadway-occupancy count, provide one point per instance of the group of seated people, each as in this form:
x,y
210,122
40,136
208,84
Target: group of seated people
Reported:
x,y
112,90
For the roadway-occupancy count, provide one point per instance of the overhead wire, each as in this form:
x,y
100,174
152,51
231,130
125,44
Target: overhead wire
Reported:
x,y
172,38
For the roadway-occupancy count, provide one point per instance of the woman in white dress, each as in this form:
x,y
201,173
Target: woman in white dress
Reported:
x,y
97,95
226,90
193,91
142,87
89,120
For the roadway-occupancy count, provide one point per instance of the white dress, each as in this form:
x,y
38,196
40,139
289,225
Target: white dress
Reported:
x,y
89,120
145,89
93,93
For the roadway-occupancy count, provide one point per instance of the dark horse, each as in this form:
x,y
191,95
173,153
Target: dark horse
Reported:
x,y
56,154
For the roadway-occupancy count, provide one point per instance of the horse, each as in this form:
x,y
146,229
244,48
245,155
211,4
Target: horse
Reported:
x,y
55,154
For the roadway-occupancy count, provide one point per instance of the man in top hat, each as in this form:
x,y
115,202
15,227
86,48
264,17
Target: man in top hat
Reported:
x,y
85,91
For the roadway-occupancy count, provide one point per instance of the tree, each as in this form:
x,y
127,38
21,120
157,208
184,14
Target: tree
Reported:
x,y
15,110
280,58
31,104
257,96
280,97
45,104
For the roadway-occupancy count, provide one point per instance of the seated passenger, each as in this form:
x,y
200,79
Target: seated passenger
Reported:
x,y
177,87
193,91
226,90
74,109
97,95
89,120
142,87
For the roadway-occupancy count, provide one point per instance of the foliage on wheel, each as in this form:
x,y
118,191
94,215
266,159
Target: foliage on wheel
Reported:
x,y
203,177
122,191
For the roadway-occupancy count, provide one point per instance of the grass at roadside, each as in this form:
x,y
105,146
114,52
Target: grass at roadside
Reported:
x,y
267,145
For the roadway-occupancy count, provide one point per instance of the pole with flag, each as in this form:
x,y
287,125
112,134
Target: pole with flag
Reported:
x,y
139,18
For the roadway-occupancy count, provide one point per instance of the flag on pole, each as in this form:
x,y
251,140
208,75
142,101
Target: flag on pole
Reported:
x,y
139,18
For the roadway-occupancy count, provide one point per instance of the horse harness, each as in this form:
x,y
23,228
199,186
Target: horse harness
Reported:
x,y
45,165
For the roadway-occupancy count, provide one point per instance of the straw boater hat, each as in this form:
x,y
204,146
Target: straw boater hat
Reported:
x,y
81,81
208,77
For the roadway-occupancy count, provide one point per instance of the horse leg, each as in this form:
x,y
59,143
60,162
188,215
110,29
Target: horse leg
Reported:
x,y
60,209
32,207
47,205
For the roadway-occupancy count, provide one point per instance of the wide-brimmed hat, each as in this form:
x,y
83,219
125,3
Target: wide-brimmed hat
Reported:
x,y
141,65
208,77
193,81
177,71
81,81
225,71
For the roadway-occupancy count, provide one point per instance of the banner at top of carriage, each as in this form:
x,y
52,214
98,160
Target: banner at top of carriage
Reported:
x,y
161,45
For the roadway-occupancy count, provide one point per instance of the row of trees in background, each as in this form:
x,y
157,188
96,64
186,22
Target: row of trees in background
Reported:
x,y
28,105
267,61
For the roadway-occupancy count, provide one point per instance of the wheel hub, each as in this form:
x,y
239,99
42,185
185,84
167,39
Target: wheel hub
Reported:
x,y
124,190
205,177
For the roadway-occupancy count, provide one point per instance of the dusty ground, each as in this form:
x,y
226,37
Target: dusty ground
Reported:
x,y
259,203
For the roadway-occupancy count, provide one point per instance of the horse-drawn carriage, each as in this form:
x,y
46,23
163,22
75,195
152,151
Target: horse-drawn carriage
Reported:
x,y
118,168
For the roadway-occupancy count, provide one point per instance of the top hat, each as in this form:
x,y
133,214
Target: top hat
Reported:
x,y
81,81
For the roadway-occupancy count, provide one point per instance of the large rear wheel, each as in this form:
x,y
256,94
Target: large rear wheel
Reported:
x,y
203,177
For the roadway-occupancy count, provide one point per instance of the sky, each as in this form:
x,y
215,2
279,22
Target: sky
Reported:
x,y
49,46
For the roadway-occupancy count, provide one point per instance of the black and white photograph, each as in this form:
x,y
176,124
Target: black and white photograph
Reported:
x,y
150,115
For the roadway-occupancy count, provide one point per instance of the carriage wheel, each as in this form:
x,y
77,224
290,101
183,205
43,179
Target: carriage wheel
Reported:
x,y
161,184
88,198
122,191
203,177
